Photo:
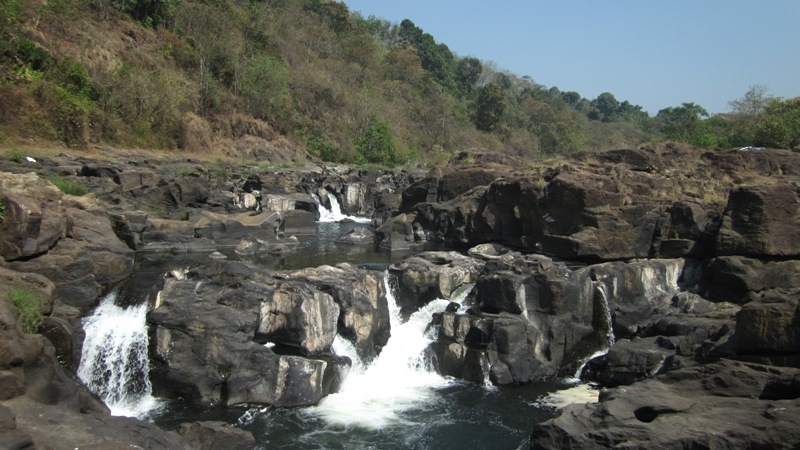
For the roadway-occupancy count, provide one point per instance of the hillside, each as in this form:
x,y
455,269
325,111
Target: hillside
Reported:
x,y
271,80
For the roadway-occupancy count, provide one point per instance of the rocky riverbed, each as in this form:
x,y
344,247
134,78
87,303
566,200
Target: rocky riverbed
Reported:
x,y
669,276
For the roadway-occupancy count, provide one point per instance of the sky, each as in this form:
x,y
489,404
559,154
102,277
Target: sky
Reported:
x,y
655,54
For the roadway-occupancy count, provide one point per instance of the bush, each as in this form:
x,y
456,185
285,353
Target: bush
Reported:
x,y
29,308
376,146
68,186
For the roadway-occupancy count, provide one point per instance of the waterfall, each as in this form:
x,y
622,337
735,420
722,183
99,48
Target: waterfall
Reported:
x,y
600,299
114,363
377,395
335,213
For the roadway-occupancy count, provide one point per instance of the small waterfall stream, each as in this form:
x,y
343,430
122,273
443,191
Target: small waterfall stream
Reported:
x,y
335,213
606,326
114,362
377,395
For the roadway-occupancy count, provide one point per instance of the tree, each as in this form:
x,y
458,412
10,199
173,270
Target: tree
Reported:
x,y
376,146
779,125
753,103
572,98
681,123
489,107
468,70
746,114
607,105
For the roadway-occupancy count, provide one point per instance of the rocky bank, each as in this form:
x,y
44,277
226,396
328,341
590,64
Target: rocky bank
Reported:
x,y
666,275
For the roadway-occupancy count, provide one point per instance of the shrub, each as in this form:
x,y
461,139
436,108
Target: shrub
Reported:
x,y
29,308
376,146
16,155
68,186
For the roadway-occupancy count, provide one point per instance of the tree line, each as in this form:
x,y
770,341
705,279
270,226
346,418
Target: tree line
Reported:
x,y
348,88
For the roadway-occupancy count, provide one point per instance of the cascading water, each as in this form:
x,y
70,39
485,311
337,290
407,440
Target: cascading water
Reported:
x,y
376,396
601,300
114,363
335,213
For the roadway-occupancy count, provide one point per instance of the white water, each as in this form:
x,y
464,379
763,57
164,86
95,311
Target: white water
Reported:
x,y
114,363
335,213
601,293
376,396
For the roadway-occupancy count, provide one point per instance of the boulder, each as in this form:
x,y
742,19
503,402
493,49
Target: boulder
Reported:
x,y
739,279
298,315
203,337
431,275
359,236
770,325
760,221
210,435
363,308
34,218
718,405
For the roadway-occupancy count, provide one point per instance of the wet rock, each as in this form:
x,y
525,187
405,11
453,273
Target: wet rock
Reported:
x,y
359,236
203,330
298,315
213,435
361,296
681,409
431,275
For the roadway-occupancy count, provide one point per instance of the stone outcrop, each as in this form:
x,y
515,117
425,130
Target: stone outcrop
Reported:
x,y
229,333
717,405
431,275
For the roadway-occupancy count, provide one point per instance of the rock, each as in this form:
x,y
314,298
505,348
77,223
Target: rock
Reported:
x,y
683,409
739,279
298,315
760,221
70,266
214,435
361,296
359,236
639,292
397,233
34,219
203,329
41,286
628,361
431,275
488,251
770,325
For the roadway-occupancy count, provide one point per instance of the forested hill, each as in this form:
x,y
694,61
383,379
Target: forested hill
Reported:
x,y
245,77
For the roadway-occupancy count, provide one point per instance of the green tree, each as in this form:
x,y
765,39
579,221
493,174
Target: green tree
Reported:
x,y
376,146
681,123
607,106
489,107
745,115
468,70
779,125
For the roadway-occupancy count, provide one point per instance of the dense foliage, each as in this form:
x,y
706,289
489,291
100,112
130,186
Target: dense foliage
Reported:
x,y
201,75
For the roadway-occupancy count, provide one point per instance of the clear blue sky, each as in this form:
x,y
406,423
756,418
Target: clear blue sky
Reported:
x,y
652,53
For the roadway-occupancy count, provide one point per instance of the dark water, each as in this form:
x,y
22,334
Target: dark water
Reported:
x,y
462,416
466,416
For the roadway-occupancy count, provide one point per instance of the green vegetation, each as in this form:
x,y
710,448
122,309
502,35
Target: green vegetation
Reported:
x,y
195,76
2,212
16,155
29,308
68,186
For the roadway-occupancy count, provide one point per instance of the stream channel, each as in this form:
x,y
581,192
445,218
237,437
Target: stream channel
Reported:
x,y
395,402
